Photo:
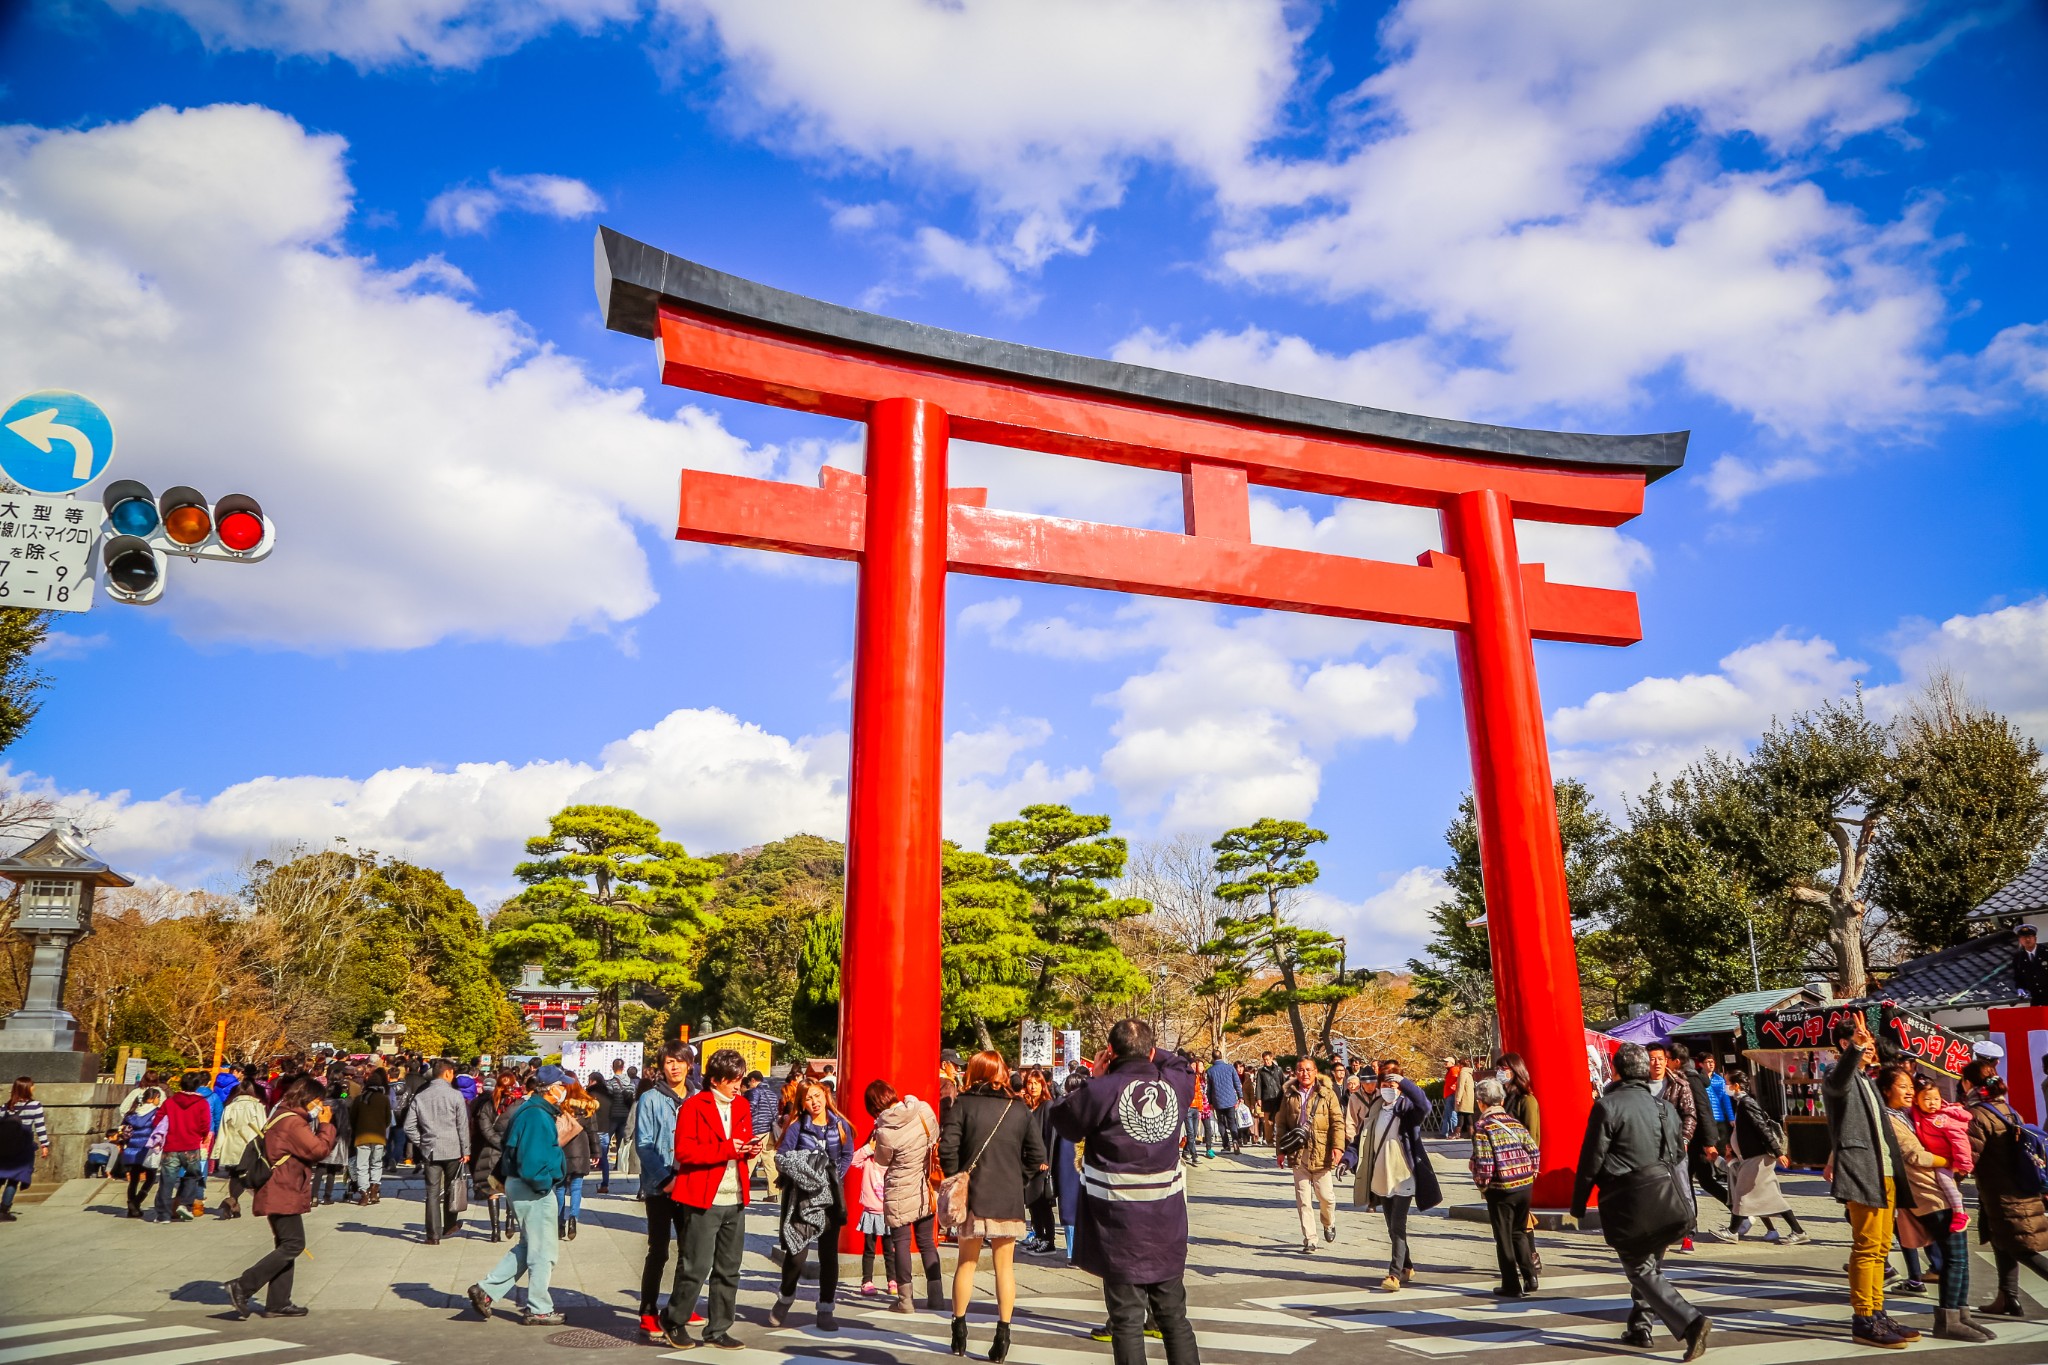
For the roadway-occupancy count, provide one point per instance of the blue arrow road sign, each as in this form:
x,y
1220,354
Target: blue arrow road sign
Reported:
x,y
53,441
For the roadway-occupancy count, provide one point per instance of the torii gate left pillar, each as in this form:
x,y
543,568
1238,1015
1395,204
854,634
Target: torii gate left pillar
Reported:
x,y
914,387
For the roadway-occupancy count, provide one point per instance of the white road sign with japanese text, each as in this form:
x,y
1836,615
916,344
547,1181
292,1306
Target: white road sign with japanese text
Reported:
x,y
46,551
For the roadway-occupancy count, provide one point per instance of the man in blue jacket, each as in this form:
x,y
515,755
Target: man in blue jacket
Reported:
x,y
531,1167
1133,1227
1224,1096
654,1143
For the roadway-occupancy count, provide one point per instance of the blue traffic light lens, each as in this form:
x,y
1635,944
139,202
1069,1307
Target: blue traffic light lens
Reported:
x,y
134,517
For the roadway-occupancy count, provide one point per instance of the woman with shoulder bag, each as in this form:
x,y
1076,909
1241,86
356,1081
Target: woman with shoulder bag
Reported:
x,y
1393,1167
905,1144
989,1143
300,1134
572,1131
140,1126
816,1148
2012,1220
1753,1190
489,1117
1635,1154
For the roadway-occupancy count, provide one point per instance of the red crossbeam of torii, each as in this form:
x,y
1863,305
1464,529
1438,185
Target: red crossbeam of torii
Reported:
x,y
916,387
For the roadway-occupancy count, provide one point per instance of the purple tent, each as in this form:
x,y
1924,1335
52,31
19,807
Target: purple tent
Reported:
x,y
1652,1026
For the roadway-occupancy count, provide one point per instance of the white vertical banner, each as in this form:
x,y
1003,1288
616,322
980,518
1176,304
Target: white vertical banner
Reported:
x,y
1034,1046
584,1056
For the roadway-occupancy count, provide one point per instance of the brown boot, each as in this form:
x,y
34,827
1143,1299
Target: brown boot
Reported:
x,y
377,1194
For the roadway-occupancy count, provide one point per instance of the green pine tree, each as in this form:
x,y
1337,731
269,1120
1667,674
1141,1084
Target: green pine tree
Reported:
x,y
1063,859
609,904
1263,865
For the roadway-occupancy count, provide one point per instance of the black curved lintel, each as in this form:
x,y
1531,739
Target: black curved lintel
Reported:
x,y
635,279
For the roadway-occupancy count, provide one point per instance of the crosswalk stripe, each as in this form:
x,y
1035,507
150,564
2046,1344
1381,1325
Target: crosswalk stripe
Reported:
x,y
345,1358
212,1350
1252,1317
1208,1341
72,1345
1475,1289
36,1329
937,1343
1837,1347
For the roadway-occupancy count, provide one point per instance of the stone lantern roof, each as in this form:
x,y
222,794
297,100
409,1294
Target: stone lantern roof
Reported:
x,y
62,852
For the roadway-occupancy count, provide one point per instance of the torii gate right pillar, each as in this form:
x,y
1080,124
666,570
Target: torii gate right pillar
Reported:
x,y
1528,910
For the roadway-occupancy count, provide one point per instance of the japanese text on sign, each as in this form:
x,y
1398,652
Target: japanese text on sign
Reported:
x,y
46,551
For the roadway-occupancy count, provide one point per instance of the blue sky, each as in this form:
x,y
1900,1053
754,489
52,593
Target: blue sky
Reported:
x,y
338,256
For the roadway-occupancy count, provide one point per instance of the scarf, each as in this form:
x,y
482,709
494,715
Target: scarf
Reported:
x,y
1390,1168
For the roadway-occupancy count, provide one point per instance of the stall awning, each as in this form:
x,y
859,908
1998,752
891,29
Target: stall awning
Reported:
x,y
1652,1026
1720,1017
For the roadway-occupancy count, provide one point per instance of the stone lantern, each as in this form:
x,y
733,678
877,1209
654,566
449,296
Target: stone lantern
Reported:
x,y
56,877
388,1031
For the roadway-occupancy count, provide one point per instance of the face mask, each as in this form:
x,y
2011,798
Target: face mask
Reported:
x,y
1390,1091
1504,1076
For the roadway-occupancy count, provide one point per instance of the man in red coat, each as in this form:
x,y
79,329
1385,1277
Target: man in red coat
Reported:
x,y
714,1141
188,1123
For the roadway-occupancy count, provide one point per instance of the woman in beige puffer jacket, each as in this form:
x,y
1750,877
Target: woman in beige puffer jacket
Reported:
x,y
906,1133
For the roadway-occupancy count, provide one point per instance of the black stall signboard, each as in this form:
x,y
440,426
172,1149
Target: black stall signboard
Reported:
x,y
1895,1027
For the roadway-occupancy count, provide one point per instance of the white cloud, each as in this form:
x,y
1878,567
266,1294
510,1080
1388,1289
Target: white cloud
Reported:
x,y
1235,717
2019,355
1386,928
460,34
2001,656
471,209
187,270
64,644
1618,741
1041,110
708,778
1480,202
1730,479
980,787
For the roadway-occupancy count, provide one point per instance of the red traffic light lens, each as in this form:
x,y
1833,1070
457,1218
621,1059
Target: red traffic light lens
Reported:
x,y
241,530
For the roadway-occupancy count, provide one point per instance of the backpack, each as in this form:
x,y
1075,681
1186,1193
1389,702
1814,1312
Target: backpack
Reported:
x,y
1773,1131
2029,1161
253,1167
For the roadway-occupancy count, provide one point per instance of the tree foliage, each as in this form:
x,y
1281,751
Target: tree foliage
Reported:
x,y
1063,860
1264,867
609,904
21,685
1456,973
1968,812
750,962
988,947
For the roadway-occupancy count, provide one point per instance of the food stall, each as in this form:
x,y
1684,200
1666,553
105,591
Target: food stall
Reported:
x,y
1796,1044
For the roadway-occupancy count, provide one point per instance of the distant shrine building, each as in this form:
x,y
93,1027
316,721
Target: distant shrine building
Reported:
x,y
551,1011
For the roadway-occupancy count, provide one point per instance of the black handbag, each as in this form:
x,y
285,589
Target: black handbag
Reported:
x,y
1645,1210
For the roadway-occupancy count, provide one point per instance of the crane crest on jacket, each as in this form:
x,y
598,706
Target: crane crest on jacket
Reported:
x,y
1149,1111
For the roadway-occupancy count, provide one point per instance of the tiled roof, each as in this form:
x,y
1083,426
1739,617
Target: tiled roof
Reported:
x,y
1720,1017
2026,894
1977,972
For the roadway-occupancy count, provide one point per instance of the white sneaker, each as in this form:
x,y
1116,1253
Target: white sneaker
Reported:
x,y
1797,1239
1724,1235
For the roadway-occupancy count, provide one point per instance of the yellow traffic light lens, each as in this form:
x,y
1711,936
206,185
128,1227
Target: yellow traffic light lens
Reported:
x,y
187,525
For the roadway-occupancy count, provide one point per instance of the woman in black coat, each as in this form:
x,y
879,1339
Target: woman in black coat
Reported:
x,y
993,1134
488,1118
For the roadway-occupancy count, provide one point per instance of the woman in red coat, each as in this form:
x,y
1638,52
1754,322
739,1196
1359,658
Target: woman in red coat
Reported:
x,y
298,1135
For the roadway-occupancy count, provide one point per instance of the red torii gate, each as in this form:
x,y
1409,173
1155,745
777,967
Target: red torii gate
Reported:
x,y
915,387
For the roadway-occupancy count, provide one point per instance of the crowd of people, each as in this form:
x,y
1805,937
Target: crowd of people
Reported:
x,y
997,1164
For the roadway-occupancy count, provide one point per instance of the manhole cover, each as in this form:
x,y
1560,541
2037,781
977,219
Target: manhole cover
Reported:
x,y
584,1339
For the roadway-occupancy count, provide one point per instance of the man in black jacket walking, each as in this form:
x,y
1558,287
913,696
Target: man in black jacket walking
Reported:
x,y
1132,1230
1705,1144
1633,1143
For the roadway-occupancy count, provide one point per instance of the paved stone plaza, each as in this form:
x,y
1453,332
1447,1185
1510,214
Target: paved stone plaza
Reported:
x,y
82,1285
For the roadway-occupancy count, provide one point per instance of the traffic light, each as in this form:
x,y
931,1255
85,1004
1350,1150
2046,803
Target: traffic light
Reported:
x,y
132,569
144,530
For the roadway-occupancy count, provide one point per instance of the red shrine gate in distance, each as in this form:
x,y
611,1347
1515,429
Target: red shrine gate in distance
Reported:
x,y
915,387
